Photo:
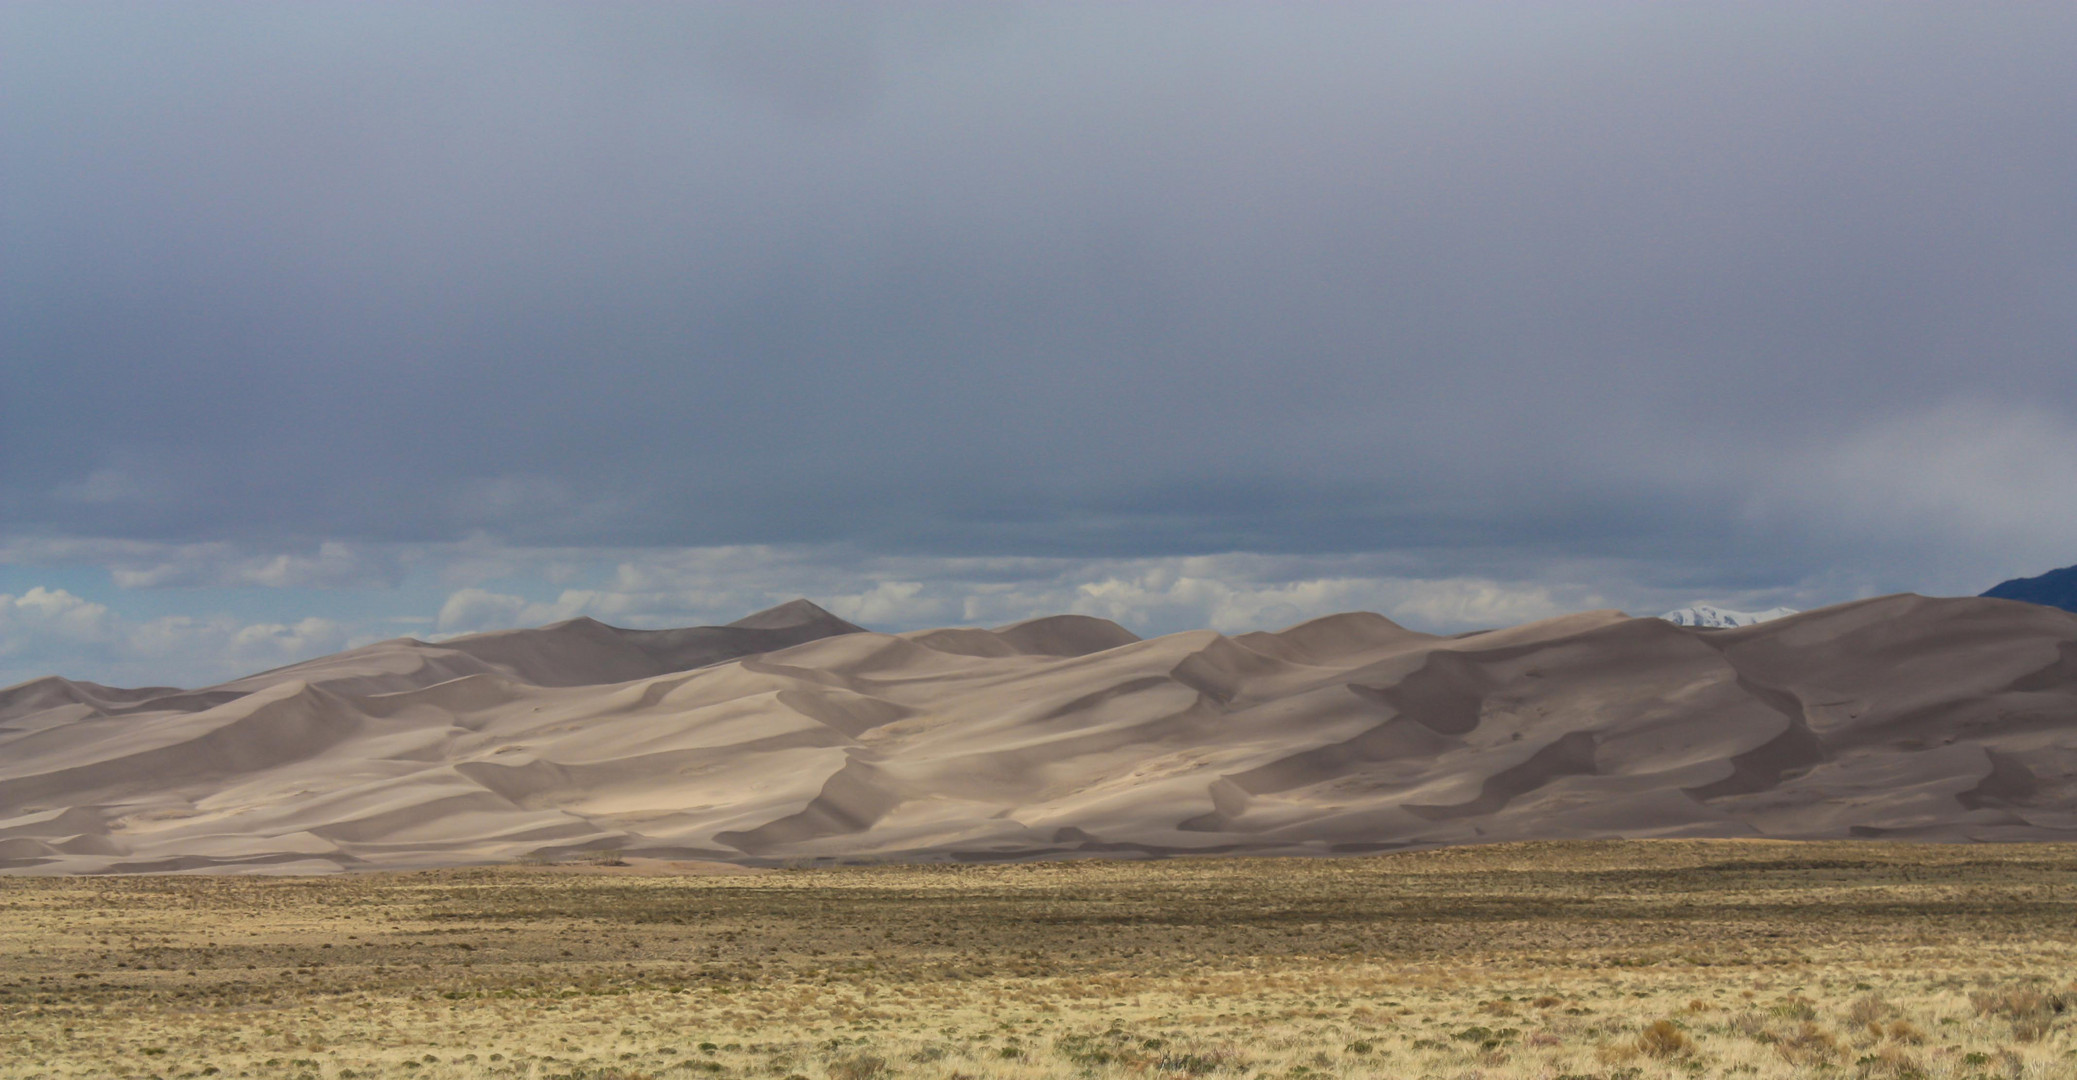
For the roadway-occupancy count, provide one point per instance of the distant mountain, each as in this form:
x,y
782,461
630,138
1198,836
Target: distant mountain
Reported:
x,y
1716,618
2056,588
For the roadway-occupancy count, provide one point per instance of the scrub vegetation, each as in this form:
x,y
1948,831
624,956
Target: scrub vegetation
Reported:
x,y
1560,961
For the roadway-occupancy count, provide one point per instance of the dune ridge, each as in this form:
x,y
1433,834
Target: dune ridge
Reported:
x,y
794,735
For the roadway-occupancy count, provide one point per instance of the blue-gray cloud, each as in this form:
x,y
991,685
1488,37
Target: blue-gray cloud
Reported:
x,y
1499,286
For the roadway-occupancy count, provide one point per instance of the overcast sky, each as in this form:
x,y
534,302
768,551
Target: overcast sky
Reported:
x,y
327,322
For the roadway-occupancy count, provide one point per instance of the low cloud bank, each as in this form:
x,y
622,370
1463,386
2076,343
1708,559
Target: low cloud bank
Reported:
x,y
117,628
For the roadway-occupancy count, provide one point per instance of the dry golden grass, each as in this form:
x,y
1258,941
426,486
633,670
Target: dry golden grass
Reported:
x,y
1611,960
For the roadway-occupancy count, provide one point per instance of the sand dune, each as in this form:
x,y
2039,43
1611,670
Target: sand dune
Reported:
x,y
793,735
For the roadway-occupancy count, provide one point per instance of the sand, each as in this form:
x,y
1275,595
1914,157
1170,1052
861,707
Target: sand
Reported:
x,y
793,737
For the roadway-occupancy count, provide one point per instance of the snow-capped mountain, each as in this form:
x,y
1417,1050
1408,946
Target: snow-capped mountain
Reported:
x,y
1716,618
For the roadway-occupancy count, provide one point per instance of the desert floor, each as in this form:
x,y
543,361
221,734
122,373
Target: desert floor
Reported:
x,y
1607,959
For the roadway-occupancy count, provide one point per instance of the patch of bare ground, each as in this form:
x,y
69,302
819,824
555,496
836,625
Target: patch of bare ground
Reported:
x,y
1614,960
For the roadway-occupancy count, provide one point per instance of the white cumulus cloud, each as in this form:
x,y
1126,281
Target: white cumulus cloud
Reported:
x,y
40,612
49,631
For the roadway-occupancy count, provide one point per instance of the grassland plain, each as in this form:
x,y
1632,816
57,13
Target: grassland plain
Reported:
x,y
1634,960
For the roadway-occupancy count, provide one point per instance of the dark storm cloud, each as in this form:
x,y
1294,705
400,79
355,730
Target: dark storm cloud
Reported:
x,y
1102,280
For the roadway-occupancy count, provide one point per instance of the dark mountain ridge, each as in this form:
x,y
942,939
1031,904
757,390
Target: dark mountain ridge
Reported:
x,y
2056,588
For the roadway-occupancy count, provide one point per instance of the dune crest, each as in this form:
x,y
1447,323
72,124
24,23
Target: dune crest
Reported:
x,y
792,734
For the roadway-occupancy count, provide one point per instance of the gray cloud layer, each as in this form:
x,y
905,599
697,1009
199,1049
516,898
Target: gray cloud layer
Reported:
x,y
1745,295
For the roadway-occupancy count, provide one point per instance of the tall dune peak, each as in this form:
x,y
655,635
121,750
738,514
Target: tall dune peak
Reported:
x,y
799,612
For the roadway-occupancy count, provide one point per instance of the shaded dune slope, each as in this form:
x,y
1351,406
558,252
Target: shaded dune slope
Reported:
x,y
795,735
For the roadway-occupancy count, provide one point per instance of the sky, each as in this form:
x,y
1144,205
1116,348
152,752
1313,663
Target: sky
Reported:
x,y
328,322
